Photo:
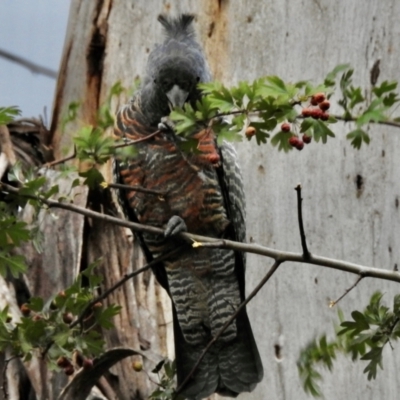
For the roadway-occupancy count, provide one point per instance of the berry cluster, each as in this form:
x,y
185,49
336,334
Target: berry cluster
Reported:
x,y
320,106
294,140
298,143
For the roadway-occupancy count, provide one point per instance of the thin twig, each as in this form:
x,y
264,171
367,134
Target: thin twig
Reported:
x,y
82,316
105,294
380,273
38,69
61,160
334,302
117,146
143,139
228,322
135,188
306,253
354,119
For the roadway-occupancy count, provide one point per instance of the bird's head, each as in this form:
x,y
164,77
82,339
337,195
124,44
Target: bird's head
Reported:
x,y
173,70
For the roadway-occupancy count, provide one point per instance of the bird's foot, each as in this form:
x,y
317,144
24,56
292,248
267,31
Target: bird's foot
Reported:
x,y
175,225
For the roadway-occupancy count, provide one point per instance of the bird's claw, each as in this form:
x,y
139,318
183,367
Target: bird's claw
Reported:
x,y
175,225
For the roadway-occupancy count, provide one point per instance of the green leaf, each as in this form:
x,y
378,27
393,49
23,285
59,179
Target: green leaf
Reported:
x,y
375,112
93,178
7,114
16,264
185,120
375,357
355,96
385,87
357,137
321,131
105,316
222,100
330,78
281,139
36,304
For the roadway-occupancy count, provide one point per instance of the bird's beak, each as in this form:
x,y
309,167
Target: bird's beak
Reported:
x,y
177,97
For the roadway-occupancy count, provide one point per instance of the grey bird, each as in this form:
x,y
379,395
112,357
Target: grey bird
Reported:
x,y
206,285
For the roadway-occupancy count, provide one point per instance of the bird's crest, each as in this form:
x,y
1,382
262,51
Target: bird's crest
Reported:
x,y
177,27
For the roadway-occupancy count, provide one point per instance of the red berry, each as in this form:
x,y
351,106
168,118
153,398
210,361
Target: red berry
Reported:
x,y
299,145
67,317
25,309
63,362
324,116
69,370
87,363
307,112
37,317
250,131
285,127
306,139
318,98
293,141
313,101
316,113
324,105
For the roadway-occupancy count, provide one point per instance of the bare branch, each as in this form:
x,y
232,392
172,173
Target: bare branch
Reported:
x,y
143,139
61,160
228,322
35,68
277,255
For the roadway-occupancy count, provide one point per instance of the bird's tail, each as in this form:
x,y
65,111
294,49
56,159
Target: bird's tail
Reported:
x,y
228,368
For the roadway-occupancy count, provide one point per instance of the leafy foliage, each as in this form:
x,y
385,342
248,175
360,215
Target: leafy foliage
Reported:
x,y
268,101
49,329
12,234
363,338
166,385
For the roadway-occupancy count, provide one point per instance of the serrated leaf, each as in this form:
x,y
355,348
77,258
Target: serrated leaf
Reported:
x,y
331,76
385,87
16,264
357,137
36,304
375,357
321,131
281,139
93,177
185,120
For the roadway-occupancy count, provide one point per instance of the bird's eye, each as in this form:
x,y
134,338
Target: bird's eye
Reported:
x,y
155,81
198,79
